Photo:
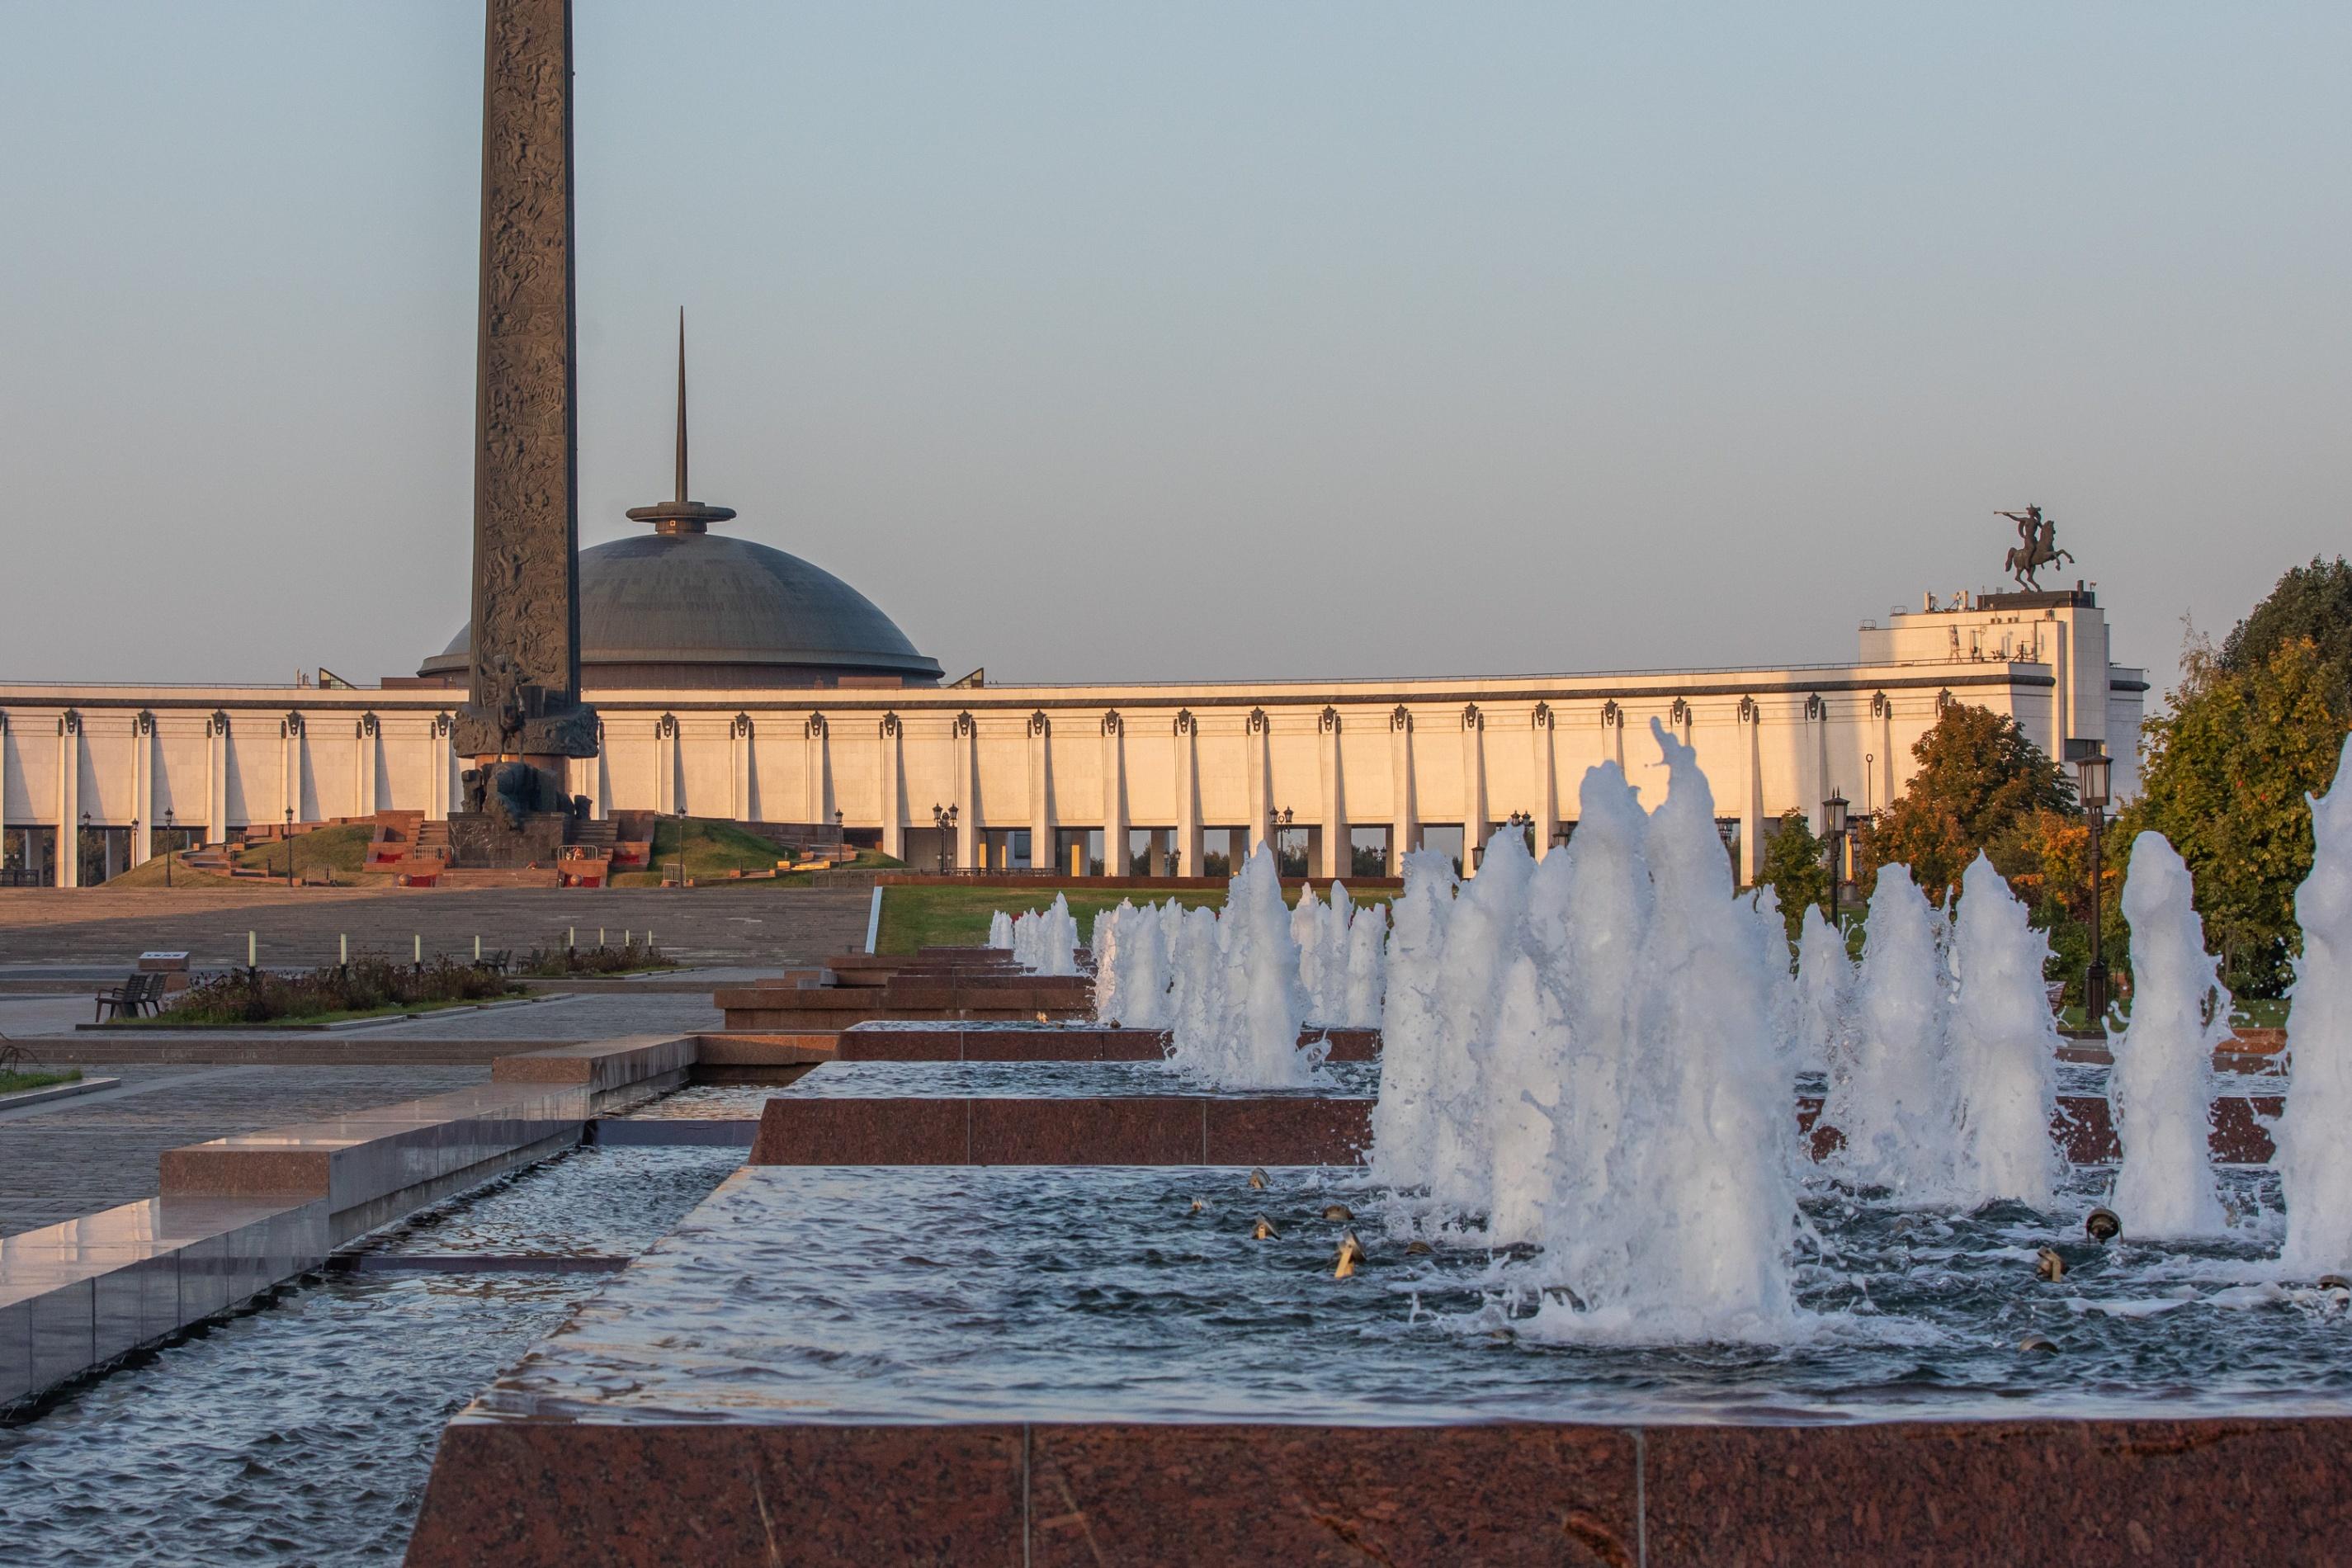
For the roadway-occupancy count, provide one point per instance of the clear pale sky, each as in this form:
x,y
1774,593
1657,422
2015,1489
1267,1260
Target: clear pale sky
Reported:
x,y
1199,341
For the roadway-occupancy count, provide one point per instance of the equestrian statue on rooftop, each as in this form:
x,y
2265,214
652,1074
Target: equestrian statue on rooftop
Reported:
x,y
2039,548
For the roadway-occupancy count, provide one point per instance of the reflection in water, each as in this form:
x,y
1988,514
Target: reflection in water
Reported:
x,y
824,1294
302,1432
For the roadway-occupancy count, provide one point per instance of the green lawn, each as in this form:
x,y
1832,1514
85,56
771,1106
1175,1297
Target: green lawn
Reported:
x,y
711,848
18,1082
915,917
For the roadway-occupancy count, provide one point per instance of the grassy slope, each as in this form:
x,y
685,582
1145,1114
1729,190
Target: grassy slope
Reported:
x,y
916,918
338,851
713,848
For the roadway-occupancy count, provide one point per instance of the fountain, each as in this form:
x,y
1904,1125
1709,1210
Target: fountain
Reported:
x,y
1237,1023
1890,1094
1046,942
1825,993
2161,1090
2315,1135
2003,1046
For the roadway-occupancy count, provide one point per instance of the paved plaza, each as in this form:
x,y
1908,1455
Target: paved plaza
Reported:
x,y
762,926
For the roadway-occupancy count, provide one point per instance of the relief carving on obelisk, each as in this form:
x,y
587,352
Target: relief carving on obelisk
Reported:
x,y
525,691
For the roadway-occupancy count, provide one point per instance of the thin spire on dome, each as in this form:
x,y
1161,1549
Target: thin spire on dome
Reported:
x,y
681,404
681,515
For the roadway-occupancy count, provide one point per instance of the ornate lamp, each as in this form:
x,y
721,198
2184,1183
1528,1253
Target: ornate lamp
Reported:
x,y
2092,765
1833,835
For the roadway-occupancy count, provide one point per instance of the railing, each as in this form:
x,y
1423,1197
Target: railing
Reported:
x,y
24,876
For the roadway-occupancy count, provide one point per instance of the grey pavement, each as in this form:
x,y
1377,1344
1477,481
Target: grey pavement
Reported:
x,y
555,1020
758,924
72,1157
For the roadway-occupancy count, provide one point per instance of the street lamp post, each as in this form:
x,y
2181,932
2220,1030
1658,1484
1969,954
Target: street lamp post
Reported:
x,y
78,867
169,833
1833,833
289,846
2091,768
943,819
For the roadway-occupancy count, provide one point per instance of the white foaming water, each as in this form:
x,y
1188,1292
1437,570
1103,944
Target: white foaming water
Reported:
x,y
1000,930
2160,1092
1046,942
2003,1047
1306,923
2315,1136
1673,1212
1825,993
1481,940
1131,971
1404,1117
1368,937
1240,1010
1890,1093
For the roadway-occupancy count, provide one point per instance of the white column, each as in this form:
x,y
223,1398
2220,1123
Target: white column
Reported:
x,y
816,770
1751,794
1816,746
1336,857
370,763
292,746
4,774
2062,707
1116,858
892,805
142,788
437,763
666,799
739,772
969,845
70,799
215,812
1041,791
1261,784
1474,787
1883,708
1540,727
1403,826
1188,795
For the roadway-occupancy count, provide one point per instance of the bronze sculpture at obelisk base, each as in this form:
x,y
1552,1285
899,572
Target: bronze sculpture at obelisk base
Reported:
x,y
523,719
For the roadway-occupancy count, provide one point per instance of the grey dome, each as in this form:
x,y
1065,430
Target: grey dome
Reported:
x,y
739,612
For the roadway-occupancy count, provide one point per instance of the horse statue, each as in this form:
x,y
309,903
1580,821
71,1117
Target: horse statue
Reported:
x,y
2039,547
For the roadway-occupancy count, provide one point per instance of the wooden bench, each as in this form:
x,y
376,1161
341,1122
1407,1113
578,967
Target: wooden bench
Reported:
x,y
138,994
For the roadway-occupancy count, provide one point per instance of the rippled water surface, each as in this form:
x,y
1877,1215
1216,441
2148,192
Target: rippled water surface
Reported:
x,y
1012,1293
303,1432
976,1080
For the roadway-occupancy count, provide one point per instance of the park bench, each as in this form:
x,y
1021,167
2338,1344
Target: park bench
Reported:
x,y
496,962
137,994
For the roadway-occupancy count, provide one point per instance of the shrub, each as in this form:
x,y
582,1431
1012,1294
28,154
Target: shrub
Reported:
x,y
369,981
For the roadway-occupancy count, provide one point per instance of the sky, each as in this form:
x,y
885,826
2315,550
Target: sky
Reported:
x,y
1213,340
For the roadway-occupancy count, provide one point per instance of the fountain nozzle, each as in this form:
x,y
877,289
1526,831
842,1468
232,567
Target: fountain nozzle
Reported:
x,y
1351,1252
1258,1179
2049,1265
2104,1224
1262,1230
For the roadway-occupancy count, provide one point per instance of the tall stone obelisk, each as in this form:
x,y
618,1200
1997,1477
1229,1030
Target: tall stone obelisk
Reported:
x,y
524,705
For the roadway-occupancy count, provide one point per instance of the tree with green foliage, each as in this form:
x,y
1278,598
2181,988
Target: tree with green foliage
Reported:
x,y
2225,776
2310,604
1796,868
1979,775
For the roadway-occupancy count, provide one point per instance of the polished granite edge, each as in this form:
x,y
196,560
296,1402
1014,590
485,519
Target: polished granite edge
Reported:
x,y
1155,1130
77,1295
543,1492
239,1215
